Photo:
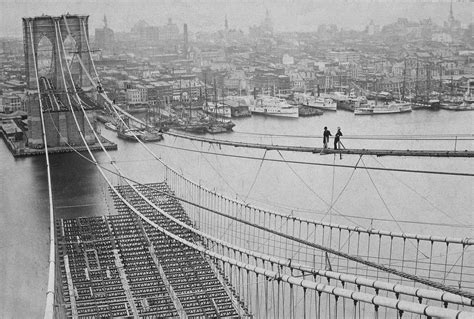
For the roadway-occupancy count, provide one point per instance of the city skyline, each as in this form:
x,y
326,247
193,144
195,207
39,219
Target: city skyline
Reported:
x,y
209,15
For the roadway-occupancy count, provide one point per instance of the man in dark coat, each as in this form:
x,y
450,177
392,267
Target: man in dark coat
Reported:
x,y
326,135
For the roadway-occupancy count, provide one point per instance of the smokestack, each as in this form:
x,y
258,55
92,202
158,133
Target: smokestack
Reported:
x,y
185,31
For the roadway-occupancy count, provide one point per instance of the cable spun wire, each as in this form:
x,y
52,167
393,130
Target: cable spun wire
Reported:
x,y
49,308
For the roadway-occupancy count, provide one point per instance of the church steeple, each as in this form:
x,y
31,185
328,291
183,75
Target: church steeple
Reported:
x,y
451,15
226,23
105,22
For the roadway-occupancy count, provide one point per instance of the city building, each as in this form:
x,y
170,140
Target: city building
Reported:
x,y
104,37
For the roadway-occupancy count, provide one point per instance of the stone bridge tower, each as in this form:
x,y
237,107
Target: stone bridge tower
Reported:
x,y
44,26
50,44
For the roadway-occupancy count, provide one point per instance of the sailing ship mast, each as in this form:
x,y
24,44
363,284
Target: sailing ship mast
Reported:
x,y
404,78
416,80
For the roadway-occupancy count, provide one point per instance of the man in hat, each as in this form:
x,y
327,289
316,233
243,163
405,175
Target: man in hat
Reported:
x,y
337,139
326,135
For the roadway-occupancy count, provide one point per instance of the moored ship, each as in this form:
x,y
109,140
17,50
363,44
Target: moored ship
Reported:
x,y
318,102
218,109
273,106
383,108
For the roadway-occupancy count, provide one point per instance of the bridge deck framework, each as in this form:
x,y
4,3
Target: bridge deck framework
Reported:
x,y
118,266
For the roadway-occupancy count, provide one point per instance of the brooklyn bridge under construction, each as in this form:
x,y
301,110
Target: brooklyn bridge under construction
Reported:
x,y
178,249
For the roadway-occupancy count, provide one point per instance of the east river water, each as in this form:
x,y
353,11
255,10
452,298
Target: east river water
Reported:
x,y
421,203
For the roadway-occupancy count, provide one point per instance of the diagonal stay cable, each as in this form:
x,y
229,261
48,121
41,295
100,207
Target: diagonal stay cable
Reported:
x,y
415,191
249,191
334,203
312,190
388,209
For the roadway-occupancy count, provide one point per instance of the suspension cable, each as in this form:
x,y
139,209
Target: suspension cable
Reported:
x,y
49,309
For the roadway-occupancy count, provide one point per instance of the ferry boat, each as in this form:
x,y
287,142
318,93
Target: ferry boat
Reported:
x,y
318,102
273,106
384,108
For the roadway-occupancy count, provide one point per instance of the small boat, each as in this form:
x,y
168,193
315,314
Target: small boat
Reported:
x,y
110,126
215,129
423,102
306,111
151,136
385,108
198,128
129,134
463,106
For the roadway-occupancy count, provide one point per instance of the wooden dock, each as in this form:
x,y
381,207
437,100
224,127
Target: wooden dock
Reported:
x,y
319,150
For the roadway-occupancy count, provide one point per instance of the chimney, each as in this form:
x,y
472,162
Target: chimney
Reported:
x,y
185,47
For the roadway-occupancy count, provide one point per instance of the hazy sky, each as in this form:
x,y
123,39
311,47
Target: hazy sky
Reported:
x,y
292,15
